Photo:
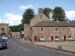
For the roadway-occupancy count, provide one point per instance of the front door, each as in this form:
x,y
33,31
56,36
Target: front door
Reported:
x,y
64,38
52,38
35,38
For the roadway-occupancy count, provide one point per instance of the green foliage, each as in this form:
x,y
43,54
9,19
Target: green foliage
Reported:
x,y
27,16
47,11
15,28
58,14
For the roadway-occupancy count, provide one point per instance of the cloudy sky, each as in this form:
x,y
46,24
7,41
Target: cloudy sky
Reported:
x,y
11,11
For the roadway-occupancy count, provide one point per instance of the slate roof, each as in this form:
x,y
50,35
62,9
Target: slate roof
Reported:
x,y
55,24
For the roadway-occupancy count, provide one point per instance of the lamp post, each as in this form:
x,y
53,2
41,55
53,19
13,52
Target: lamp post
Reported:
x,y
59,34
58,30
59,46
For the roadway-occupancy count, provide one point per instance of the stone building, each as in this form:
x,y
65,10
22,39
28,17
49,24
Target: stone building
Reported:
x,y
4,29
42,29
54,30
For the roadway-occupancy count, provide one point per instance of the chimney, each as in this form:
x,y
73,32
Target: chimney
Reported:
x,y
40,10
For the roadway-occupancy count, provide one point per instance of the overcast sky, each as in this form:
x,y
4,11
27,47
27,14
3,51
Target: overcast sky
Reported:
x,y
11,11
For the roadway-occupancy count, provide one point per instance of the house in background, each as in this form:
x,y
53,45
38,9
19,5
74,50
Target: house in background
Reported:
x,y
4,29
42,29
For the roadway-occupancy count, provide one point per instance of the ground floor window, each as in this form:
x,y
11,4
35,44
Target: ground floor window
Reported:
x,y
56,38
42,38
70,37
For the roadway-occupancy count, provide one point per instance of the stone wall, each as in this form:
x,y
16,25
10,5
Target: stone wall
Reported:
x,y
38,18
72,33
26,30
51,31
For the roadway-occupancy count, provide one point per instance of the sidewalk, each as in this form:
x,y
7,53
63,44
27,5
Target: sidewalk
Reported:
x,y
24,41
67,45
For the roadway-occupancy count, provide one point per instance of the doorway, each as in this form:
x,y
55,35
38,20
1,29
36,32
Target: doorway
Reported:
x,y
52,38
64,38
35,38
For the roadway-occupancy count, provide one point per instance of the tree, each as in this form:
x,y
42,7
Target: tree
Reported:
x,y
14,28
58,14
47,11
27,16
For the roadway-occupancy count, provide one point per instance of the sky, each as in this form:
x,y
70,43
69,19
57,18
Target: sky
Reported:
x,y
11,11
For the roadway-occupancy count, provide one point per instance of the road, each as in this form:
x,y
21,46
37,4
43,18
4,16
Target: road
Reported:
x,y
16,48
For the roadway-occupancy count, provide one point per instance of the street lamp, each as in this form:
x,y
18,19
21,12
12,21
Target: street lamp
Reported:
x,y
58,30
59,34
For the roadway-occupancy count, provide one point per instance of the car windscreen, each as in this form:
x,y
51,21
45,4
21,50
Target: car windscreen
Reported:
x,y
2,40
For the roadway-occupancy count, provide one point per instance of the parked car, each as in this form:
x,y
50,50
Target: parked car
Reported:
x,y
3,43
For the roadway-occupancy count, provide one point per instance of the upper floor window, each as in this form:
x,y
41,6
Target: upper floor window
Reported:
x,y
41,29
2,29
56,29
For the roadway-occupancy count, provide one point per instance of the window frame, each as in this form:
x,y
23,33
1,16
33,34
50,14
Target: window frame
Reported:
x,y
41,29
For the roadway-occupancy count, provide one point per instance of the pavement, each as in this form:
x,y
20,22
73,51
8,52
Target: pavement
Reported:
x,y
68,46
18,48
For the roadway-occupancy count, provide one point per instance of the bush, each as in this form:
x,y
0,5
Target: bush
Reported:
x,y
59,47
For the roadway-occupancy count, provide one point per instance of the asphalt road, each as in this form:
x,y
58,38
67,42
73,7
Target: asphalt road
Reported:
x,y
16,48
